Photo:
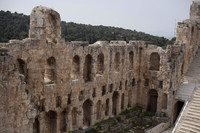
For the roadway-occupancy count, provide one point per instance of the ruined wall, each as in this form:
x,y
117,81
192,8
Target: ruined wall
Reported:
x,y
76,84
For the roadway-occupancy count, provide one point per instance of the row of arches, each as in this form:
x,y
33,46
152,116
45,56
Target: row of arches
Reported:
x,y
88,108
50,66
88,65
49,73
152,100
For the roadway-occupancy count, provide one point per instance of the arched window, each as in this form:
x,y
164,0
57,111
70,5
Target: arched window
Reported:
x,y
98,109
115,102
100,64
51,122
107,107
74,117
164,101
36,126
50,71
131,56
117,62
87,112
87,70
155,61
75,67
63,122
152,103
122,102
21,66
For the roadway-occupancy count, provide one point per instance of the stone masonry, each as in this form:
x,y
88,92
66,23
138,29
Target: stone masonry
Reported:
x,y
51,86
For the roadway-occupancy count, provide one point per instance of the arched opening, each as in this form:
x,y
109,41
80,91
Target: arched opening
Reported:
x,y
110,88
122,102
63,124
50,71
36,126
152,105
103,90
155,61
164,101
75,67
131,56
100,64
87,70
117,62
58,101
21,66
51,122
129,98
115,102
53,32
98,109
87,112
177,109
74,117
107,107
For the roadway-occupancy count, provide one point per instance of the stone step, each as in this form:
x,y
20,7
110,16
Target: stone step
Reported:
x,y
191,117
196,96
189,130
196,99
191,125
196,120
182,131
193,114
192,110
195,105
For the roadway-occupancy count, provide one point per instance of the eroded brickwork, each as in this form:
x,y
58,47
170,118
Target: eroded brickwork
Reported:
x,y
49,85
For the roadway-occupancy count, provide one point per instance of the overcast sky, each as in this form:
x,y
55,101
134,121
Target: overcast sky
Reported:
x,y
157,17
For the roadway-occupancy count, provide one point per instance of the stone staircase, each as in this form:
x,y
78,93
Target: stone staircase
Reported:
x,y
189,91
190,121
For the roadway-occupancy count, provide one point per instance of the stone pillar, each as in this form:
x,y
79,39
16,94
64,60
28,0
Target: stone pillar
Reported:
x,y
42,122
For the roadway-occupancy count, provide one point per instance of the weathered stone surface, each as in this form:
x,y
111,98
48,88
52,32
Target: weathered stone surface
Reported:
x,y
49,85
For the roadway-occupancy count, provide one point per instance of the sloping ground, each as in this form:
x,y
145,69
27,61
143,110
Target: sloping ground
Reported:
x,y
190,119
134,120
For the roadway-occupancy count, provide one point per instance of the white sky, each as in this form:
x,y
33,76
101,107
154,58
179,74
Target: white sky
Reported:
x,y
157,17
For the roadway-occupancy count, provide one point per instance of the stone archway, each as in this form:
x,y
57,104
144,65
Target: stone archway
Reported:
x,y
115,99
131,56
98,110
63,122
87,69
75,67
74,117
107,107
155,61
50,70
122,102
36,126
100,64
164,101
177,109
51,122
152,103
117,62
87,112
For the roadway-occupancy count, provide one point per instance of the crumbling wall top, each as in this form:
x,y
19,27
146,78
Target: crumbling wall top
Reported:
x,y
195,10
45,24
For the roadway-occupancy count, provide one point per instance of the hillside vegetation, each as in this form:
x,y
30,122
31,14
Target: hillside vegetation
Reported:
x,y
16,26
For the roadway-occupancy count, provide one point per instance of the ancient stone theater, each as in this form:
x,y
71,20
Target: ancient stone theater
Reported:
x,y
49,85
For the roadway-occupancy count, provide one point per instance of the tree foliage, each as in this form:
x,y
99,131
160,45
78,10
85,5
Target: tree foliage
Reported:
x,y
16,26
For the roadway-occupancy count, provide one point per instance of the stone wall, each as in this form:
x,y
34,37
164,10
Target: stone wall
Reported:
x,y
76,84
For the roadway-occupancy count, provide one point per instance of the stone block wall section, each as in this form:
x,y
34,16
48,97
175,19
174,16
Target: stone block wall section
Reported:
x,y
68,85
